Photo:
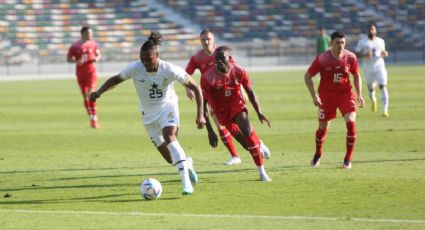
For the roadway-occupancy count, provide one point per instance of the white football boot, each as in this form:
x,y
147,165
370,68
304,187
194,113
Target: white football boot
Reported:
x,y
264,150
346,165
265,178
192,174
233,161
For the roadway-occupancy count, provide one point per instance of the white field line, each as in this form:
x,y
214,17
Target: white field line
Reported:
x,y
218,216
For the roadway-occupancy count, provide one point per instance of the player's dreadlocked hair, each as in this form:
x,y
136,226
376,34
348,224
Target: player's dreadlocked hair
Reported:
x,y
153,41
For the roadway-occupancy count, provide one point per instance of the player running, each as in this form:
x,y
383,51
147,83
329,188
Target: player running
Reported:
x,y
221,85
372,51
335,92
158,102
203,60
84,53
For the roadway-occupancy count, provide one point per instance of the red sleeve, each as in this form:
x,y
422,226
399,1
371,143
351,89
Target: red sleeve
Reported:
x,y
70,52
191,66
314,67
92,56
244,79
354,66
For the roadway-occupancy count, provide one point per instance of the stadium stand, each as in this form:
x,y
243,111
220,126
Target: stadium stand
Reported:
x,y
407,12
46,28
282,19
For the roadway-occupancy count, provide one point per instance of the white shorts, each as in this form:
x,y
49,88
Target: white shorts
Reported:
x,y
169,117
376,76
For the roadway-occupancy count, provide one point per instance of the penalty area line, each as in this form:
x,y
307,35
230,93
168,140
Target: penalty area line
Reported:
x,y
311,218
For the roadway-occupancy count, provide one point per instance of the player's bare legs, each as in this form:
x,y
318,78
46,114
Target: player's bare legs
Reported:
x,y
179,158
165,153
320,139
253,143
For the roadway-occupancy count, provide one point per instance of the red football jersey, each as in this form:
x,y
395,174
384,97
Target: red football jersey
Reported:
x,y
222,91
200,60
334,73
85,52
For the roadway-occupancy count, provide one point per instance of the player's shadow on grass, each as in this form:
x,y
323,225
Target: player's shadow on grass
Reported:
x,y
388,160
68,200
62,187
338,165
235,170
81,186
227,178
76,169
141,175
92,199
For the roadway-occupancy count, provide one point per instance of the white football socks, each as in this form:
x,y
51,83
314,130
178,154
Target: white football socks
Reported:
x,y
262,170
179,160
93,117
385,99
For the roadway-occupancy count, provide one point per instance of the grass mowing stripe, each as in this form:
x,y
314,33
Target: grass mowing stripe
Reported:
x,y
317,218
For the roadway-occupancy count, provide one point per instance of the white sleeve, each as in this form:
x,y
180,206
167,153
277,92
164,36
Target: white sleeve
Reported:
x,y
128,71
383,45
178,74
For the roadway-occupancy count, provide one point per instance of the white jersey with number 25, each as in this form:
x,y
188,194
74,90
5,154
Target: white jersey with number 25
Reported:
x,y
155,90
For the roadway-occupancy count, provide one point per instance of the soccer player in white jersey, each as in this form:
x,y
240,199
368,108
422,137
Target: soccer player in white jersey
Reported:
x,y
372,50
153,79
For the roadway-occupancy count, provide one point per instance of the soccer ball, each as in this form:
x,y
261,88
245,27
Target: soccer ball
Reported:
x,y
151,189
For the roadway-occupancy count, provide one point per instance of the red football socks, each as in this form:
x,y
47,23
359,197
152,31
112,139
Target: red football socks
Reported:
x,y
254,148
228,142
351,139
320,139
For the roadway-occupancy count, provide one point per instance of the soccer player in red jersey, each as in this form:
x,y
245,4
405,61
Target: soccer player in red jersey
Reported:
x,y
221,85
335,92
203,60
84,53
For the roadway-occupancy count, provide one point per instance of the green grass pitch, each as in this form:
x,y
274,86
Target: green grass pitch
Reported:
x,y
57,173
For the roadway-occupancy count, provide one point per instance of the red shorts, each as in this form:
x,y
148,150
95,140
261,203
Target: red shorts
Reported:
x,y
87,82
226,118
345,103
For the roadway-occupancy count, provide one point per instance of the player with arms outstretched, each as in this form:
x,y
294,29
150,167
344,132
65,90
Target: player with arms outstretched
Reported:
x,y
84,53
153,79
335,92
203,60
221,85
